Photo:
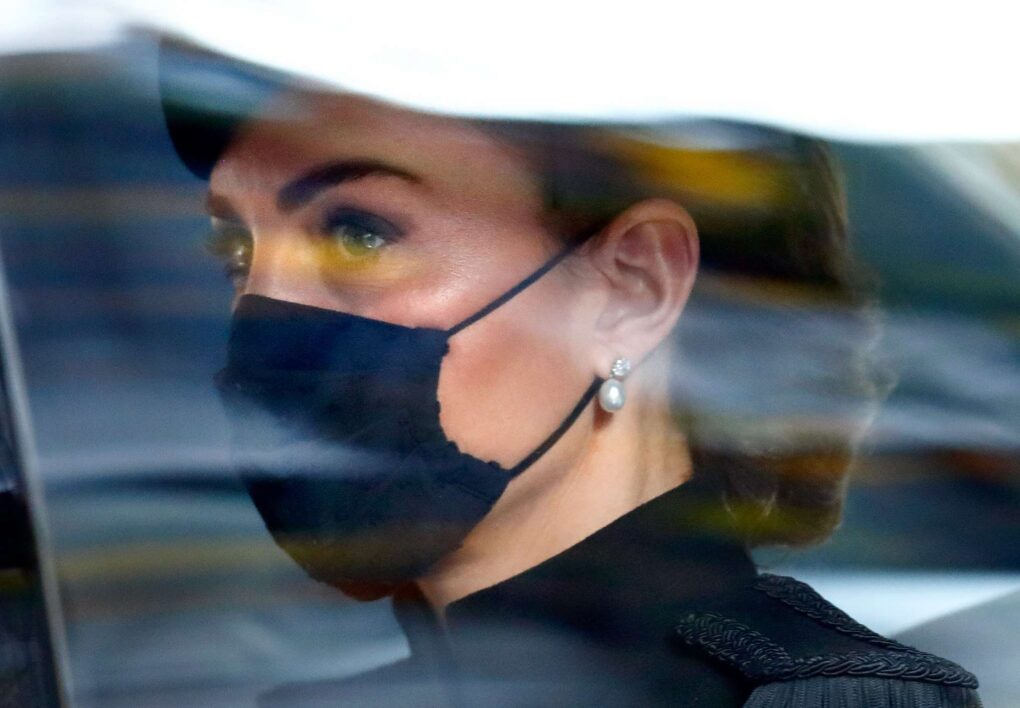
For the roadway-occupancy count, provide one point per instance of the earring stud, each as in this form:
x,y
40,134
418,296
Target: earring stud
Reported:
x,y
611,393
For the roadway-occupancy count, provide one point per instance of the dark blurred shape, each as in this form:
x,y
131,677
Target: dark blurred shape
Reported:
x,y
16,551
27,677
205,97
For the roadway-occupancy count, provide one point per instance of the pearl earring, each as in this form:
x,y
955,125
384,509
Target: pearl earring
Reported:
x,y
611,393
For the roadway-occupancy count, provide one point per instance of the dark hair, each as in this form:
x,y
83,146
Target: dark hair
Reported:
x,y
772,221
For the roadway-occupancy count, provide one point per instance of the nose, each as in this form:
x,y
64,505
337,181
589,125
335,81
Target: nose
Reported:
x,y
284,267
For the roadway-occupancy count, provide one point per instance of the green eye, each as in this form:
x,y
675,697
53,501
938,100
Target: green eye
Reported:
x,y
359,233
357,240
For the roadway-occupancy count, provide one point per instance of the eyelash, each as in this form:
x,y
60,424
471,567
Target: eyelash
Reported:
x,y
231,243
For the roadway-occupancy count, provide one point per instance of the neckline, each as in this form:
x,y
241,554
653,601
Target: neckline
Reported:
x,y
631,575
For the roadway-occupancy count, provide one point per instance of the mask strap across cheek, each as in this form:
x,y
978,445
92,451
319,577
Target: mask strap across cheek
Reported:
x,y
516,289
592,389
563,428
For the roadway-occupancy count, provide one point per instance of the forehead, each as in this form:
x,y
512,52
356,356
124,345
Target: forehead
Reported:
x,y
300,130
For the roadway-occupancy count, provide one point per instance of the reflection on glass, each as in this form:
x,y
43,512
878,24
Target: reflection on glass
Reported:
x,y
418,313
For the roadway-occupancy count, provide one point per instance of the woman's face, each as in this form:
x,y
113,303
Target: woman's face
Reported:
x,y
343,203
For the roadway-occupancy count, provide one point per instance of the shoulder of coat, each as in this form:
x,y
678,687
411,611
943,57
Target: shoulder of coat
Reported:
x,y
789,642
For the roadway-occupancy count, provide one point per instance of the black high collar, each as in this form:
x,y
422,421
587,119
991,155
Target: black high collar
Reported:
x,y
675,548
595,622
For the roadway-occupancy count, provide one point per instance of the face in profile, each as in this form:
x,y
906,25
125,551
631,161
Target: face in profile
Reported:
x,y
345,204
404,343
412,332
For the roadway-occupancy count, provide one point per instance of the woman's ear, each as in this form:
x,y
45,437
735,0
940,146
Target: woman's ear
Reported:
x,y
648,259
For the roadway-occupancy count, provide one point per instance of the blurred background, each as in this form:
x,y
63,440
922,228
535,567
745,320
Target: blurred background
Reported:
x,y
171,593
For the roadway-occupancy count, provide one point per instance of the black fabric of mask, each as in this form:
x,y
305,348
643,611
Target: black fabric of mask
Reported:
x,y
338,440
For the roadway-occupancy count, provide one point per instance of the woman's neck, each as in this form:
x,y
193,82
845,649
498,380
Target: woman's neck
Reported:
x,y
637,456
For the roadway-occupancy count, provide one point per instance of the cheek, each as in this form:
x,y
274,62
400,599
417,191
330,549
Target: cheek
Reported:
x,y
511,378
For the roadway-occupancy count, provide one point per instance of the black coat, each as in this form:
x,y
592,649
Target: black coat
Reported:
x,y
662,607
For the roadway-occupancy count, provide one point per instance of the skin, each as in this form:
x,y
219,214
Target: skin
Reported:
x,y
471,227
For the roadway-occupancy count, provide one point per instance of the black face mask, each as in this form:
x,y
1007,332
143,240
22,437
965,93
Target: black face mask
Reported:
x,y
338,440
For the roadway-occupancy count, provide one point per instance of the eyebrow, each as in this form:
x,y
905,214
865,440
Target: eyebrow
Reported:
x,y
302,189
220,207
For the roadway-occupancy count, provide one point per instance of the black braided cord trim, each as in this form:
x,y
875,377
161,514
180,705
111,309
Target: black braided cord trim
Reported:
x,y
761,659
753,653
803,598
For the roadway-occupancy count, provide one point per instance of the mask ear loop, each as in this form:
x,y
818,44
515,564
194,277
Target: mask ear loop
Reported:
x,y
592,389
509,294
563,428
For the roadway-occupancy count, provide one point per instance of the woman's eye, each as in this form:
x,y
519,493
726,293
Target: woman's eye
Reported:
x,y
358,233
231,243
